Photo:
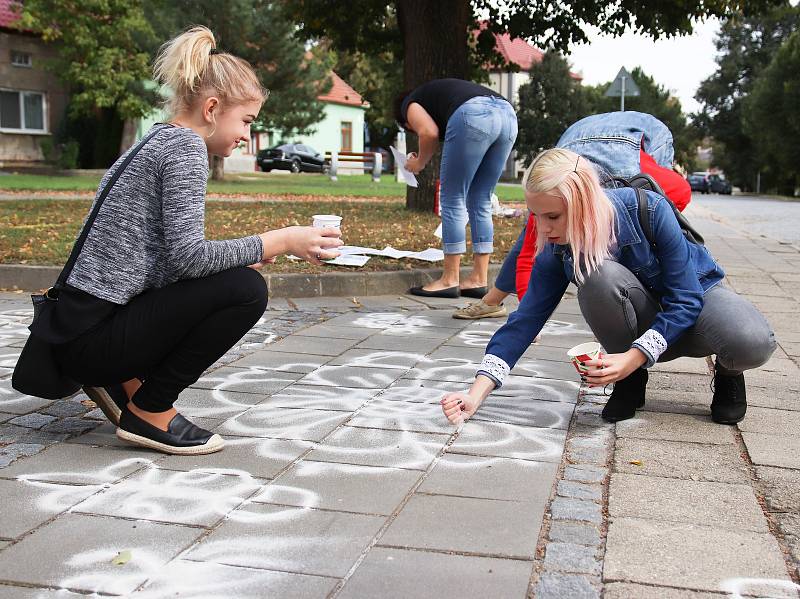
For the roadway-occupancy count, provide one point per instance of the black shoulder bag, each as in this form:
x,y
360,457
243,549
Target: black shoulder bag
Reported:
x,y
37,372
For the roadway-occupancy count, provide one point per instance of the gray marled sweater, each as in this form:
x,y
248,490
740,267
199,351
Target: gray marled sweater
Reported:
x,y
150,231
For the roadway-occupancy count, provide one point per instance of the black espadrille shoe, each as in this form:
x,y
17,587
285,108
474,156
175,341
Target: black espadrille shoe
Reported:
x,y
181,437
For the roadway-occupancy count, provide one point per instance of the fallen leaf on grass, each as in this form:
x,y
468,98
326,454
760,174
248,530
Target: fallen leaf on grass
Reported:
x,y
636,462
122,558
357,303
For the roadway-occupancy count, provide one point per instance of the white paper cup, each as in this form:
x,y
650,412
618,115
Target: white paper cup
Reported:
x,y
327,220
580,354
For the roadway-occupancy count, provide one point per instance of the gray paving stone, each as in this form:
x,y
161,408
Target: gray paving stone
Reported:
x,y
65,408
328,330
458,354
399,392
281,361
774,422
375,447
398,574
342,487
715,463
29,504
680,382
70,426
327,346
354,377
55,555
202,579
242,456
283,423
288,539
491,478
417,332
103,436
32,420
16,403
568,557
704,503
686,365
563,508
535,388
377,358
508,528
15,592
648,552
568,488
585,473
421,345
219,404
675,427
510,441
319,397
573,532
771,450
194,497
525,411
10,453
549,369
402,416
780,488
556,586
6,417
78,464
247,380
625,590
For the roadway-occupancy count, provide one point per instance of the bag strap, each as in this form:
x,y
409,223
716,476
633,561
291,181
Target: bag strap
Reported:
x,y
644,216
76,249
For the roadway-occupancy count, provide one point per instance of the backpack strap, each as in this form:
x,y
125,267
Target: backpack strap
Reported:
x,y
76,249
644,215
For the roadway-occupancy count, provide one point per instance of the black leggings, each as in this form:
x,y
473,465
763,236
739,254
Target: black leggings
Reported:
x,y
168,337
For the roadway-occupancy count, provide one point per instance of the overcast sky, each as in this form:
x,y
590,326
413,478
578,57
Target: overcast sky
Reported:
x,y
678,63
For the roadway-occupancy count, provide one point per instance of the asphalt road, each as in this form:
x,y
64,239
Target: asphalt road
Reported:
x,y
778,219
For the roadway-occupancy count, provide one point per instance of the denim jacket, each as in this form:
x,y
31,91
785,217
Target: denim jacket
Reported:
x,y
612,140
677,272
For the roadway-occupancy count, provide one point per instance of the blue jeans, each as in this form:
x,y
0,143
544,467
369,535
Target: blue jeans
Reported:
x,y
477,143
506,280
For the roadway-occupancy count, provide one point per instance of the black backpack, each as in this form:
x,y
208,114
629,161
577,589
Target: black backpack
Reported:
x,y
644,182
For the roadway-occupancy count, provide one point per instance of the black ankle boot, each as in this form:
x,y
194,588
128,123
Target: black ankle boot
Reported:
x,y
730,398
628,394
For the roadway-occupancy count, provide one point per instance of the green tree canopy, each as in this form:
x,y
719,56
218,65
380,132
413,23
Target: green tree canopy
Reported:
x,y
772,118
745,46
97,39
435,39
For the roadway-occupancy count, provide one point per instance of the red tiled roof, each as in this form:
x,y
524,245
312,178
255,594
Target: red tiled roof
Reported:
x,y
9,12
517,51
342,93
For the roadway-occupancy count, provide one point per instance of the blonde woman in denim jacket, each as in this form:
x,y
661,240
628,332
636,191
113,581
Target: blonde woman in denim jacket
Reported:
x,y
645,303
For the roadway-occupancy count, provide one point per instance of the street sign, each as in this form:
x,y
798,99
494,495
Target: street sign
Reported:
x,y
623,85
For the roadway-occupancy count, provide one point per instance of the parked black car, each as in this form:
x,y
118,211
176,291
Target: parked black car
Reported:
x,y
292,157
717,184
698,182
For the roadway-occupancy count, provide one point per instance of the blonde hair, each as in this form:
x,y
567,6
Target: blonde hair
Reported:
x,y
189,68
590,214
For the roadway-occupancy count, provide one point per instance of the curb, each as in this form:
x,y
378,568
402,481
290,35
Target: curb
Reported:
x,y
333,284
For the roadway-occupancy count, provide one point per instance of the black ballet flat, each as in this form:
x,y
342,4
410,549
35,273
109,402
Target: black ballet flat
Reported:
x,y
450,292
474,292
181,438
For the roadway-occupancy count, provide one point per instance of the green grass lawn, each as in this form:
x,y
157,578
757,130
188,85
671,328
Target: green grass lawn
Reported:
x,y
43,231
250,184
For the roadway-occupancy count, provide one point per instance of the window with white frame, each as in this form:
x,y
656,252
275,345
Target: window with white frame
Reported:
x,y
23,112
21,59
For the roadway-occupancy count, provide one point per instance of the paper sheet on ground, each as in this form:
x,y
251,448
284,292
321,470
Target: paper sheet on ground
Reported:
x,y
429,255
349,260
400,161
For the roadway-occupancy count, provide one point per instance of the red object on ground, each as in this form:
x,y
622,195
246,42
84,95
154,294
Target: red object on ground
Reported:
x,y
526,258
675,187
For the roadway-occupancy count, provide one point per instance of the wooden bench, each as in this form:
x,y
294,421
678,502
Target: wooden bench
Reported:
x,y
366,159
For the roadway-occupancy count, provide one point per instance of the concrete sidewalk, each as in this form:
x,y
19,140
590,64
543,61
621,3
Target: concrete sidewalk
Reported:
x,y
342,479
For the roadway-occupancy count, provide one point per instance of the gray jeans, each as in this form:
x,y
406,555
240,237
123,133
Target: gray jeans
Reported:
x,y
619,309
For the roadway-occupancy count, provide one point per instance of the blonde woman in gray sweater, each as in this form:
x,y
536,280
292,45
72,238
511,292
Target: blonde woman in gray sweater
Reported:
x,y
150,303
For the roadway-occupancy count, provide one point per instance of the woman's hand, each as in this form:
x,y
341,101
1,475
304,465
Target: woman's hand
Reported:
x,y
312,244
610,368
413,163
459,406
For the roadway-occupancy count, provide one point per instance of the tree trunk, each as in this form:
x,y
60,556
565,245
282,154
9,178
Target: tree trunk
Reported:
x,y
217,168
434,47
128,135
